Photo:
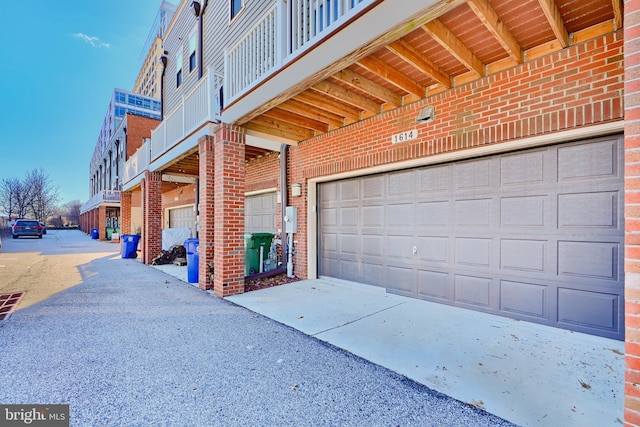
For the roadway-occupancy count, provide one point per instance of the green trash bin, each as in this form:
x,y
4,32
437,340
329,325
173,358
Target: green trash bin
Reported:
x,y
252,244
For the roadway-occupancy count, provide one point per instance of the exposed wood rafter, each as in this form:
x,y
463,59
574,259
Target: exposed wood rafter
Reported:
x,y
421,62
440,33
345,95
333,120
357,81
390,74
279,128
617,13
350,114
550,9
494,24
297,119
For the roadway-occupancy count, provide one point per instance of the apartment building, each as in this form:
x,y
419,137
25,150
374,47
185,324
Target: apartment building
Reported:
x,y
480,154
127,123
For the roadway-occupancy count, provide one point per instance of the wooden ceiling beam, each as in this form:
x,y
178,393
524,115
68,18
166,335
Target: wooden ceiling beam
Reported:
x,y
345,95
296,119
358,81
440,33
494,24
393,76
311,97
550,9
617,13
411,55
279,128
333,120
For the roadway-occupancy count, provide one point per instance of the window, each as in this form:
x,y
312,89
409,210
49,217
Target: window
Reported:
x,y
236,6
192,52
178,70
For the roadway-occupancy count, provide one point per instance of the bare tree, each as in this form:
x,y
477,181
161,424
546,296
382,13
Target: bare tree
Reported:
x,y
35,196
71,211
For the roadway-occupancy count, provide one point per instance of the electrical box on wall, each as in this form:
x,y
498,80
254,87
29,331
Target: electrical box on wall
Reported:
x,y
290,219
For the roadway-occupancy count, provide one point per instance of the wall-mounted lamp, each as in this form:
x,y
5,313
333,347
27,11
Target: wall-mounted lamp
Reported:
x,y
426,115
196,8
296,190
163,60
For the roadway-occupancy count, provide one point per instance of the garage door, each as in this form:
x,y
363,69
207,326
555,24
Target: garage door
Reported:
x,y
535,235
183,218
260,213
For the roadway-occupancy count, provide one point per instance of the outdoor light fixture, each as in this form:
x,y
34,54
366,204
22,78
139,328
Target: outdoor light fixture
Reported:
x,y
426,115
163,60
196,8
296,190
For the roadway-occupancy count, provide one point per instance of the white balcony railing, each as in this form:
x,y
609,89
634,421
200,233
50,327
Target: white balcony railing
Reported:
x,y
137,163
285,31
105,196
196,108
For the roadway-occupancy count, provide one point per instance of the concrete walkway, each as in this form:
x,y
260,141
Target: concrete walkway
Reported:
x,y
529,374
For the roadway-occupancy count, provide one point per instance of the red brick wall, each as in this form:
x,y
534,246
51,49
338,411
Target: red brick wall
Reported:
x,y
152,216
125,212
138,128
632,212
206,209
579,86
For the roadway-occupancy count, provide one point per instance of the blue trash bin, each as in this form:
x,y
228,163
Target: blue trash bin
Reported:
x,y
129,244
95,233
193,259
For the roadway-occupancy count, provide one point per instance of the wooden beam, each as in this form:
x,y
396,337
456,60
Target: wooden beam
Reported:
x,y
494,24
279,128
617,14
393,76
410,54
550,9
440,33
364,84
297,119
350,113
343,94
295,106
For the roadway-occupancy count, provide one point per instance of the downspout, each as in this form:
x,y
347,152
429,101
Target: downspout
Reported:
x,y
283,200
163,60
200,39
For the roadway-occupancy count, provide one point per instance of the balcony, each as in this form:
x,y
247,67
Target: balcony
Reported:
x,y
105,196
285,32
137,163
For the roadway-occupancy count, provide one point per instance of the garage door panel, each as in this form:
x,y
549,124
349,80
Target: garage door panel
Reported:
x,y
349,217
592,160
593,209
523,255
588,309
349,244
474,290
523,211
472,175
519,169
472,251
373,273
521,298
535,235
596,260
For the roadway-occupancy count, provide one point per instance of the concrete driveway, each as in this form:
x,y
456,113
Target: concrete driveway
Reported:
x,y
125,344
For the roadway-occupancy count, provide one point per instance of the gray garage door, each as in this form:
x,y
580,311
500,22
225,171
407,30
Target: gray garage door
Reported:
x,y
183,218
535,235
260,213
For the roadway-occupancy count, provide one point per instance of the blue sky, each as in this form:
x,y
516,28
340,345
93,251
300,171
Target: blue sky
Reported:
x,y
59,63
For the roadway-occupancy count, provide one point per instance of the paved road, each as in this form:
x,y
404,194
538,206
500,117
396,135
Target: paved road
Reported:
x,y
126,345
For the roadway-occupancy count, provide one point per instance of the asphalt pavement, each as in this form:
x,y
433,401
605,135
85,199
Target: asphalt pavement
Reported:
x,y
131,346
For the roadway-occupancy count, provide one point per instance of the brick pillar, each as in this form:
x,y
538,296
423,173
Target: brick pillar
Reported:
x,y
229,177
102,222
632,210
151,216
125,212
206,210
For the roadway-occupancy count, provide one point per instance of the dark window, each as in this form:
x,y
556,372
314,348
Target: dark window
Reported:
x,y
179,78
192,61
236,5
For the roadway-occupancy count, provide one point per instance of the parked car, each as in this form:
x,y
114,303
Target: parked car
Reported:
x,y
44,227
26,227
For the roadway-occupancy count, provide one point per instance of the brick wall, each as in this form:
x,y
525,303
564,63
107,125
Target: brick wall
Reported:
x,y
138,128
579,86
206,209
632,212
125,212
152,216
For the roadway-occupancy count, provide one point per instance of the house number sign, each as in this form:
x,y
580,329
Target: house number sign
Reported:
x,y
404,136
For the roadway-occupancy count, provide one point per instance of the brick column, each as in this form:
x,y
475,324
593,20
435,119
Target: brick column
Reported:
x,y
206,211
102,223
632,210
125,212
229,177
151,216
